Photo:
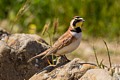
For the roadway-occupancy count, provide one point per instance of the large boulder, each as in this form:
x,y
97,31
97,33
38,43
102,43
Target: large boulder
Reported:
x,y
15,50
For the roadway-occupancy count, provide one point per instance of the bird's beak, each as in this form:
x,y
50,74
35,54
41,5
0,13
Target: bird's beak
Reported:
x,y
83,20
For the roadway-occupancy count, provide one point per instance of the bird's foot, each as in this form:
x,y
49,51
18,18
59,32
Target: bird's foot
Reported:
x,y
62,59
65,58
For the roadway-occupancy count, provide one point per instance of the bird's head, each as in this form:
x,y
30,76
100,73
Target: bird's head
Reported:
x,y
77,22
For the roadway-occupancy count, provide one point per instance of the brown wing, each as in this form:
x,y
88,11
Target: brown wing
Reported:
x,y
64,41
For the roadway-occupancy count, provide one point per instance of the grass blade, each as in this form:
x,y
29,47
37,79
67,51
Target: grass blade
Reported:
x,y
96,56
45,28
55,25
108,53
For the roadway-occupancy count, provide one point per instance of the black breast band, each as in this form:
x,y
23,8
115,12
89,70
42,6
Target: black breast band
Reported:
x,y
77,29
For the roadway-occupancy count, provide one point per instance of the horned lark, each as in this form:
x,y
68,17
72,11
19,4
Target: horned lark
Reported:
x,y
68,42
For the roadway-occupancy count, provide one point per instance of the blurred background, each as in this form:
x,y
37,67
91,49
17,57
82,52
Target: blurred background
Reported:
x,y
102,21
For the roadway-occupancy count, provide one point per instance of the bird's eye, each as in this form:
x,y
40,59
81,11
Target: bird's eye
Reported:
x,y
76,19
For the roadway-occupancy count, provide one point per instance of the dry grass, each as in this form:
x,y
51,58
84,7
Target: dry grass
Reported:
x,y
21,11
108,53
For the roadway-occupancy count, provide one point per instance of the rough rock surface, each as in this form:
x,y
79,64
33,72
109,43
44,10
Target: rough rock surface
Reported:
x,y
15,50
72,70
75,70
96,74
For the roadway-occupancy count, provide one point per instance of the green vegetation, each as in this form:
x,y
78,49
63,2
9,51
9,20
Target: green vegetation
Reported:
x,y
102,16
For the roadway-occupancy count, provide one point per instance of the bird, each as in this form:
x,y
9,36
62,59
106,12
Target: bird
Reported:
x,y
68,42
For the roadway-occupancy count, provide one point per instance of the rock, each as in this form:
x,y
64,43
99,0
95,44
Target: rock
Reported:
x,y
116,74
96,74
14,53
3,34
72,70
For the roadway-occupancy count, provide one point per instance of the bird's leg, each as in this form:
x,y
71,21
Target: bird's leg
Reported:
x,y
53,60
62,59
48,61
65,58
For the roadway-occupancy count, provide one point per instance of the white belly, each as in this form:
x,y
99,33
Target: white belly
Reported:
x,y
71,47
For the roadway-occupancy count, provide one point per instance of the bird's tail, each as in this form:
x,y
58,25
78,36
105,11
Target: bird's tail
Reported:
x,y
37,56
